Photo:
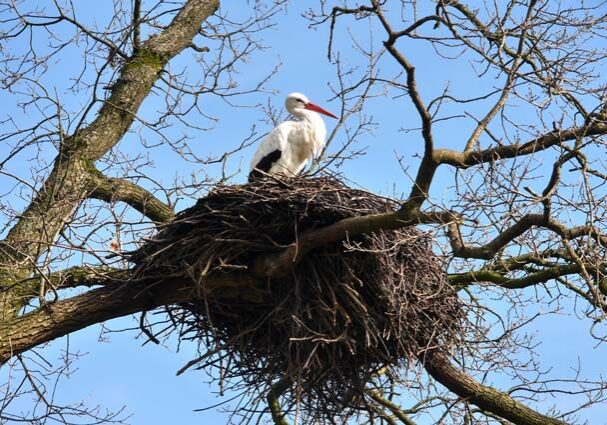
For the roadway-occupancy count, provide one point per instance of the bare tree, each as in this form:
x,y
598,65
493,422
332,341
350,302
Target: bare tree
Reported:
x,y
521,219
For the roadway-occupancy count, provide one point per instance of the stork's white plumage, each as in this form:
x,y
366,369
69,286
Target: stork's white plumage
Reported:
x,y
288,148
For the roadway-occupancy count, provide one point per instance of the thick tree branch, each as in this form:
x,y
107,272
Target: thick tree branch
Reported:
x,y
75,277
526,222
530,279
280,264
489,399
137,24
278,416
543,142
396,410
54,320
111,189
427,168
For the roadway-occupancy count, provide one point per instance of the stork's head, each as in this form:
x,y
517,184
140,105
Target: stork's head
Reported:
x,y
297,102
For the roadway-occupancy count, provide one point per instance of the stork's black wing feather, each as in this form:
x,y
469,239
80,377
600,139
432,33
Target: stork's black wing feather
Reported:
x,y
264,164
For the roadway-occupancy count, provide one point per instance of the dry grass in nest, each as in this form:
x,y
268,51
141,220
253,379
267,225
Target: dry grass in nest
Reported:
x,y
346,311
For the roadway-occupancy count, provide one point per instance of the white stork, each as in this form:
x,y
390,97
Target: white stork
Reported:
x,y
288,148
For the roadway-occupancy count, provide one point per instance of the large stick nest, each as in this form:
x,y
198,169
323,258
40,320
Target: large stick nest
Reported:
x,y
347,311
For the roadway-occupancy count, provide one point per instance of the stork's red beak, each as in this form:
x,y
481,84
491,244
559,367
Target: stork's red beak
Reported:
x,y
312,107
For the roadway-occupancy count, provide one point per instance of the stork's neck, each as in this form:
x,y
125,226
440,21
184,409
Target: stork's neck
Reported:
x,y
318,128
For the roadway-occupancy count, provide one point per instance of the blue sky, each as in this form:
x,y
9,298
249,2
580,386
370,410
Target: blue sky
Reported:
x,y
118,370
